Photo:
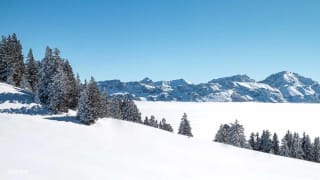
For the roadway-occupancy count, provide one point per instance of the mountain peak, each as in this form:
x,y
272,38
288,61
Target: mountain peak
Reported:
x,y
287,78
146,80
235,78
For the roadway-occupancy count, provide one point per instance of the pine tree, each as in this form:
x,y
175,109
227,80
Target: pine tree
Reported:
x,y
252,141
307,147
71,86
58,92
275,144
266,143
185,128
222,134
104,105
115,108
296,151
31,72
84,110
165,126
94,98
45,76
236,135
130,111
284,148
316,150
15,60
4,62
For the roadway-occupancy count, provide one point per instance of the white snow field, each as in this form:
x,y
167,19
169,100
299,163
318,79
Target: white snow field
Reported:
x,y
206,117
45,147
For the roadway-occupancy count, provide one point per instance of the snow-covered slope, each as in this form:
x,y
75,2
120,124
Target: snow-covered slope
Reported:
x,y
37,147
281,87
34,147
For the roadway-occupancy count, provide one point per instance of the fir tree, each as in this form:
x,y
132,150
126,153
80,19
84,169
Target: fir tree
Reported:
x,y
236,135
316,150
284,148
165,126
185,128
84,110
275,144
31,72
130,111
4,59
307,147
115,108
252,141
222,134
94,99
296,151
71,86
266,143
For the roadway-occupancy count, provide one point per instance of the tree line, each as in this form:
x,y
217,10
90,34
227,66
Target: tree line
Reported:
x,y
291,145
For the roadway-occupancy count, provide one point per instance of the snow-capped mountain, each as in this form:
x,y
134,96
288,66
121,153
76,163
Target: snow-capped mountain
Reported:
x,y
280,87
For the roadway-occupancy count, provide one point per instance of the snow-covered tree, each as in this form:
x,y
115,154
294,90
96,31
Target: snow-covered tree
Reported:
x,y
307,147
58,91
115,108
71,86
31,72
222,134
185,128
165,126
236,135
94,98
296,150
266,143
130,111
284,148
316,150
4,59
275,145
84,110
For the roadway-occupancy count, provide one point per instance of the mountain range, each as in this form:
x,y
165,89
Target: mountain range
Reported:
x,y
284,86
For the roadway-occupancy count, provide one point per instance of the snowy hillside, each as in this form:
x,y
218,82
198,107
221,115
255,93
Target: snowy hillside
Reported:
x,y
280,87
43,146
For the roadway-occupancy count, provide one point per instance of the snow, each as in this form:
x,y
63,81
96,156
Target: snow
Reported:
x,y
37,147
34,147
206,117
9,89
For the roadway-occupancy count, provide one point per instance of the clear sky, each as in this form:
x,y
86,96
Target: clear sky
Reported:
x,y
168,39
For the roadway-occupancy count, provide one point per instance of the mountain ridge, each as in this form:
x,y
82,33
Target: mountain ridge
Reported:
x,y
284,86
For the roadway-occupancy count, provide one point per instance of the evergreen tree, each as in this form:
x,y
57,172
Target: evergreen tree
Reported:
x,y
104,105
275,144
266,143
94,99
296,151
31,72
58,92
236,135
307,147
15,60
258,143
185,128
165,126
316,150
84,110
253,141
222,134
130,111
4,60
71,86
46,73
115,108
284,148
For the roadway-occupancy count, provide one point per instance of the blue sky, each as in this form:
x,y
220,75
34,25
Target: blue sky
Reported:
x,y
168,39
